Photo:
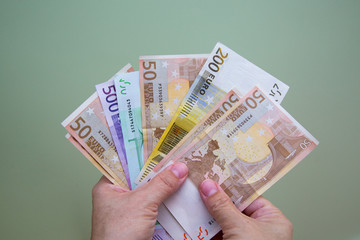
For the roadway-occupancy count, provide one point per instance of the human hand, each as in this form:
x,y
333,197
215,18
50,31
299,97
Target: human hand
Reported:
x,y
260,220
122,214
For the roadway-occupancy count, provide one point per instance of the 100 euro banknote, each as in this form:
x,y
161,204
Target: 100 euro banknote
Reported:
x,y
250,148
164,81
107,94
223,70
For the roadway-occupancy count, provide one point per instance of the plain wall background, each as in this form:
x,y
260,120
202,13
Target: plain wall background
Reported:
x,y
52,53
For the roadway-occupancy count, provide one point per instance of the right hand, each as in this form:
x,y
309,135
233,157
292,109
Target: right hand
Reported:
x,y
261,220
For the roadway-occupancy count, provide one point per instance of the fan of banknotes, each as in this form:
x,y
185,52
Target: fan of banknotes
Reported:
x,y
218,113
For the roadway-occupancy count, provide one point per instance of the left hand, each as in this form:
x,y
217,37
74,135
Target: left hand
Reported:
x,y
122,214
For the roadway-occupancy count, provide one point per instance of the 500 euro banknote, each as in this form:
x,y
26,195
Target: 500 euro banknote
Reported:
x,y
164,81
107,94
223,70
249,148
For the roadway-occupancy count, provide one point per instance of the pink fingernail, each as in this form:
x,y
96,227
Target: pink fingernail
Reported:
x,y
179,169
208,187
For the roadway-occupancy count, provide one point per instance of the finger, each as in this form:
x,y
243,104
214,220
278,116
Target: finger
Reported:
x,y
100,186
104,180
165,183
105,184
220,205
261,207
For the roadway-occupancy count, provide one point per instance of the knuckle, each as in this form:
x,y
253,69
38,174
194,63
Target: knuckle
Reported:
x,y
168,182
290,226
219,202
96,190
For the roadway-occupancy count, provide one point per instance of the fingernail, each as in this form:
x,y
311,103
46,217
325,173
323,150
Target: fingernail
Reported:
x,y
179,169
208,187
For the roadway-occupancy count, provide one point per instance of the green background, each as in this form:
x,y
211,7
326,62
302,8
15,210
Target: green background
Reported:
x,y
52,53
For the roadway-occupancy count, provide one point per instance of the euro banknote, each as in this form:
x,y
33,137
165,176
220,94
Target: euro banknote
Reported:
x,y
107,94
164,81
216,113
87,124
250,148
223,70
127,91
89,157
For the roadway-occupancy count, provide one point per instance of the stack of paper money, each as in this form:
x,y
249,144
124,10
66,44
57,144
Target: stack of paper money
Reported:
x,y
218,113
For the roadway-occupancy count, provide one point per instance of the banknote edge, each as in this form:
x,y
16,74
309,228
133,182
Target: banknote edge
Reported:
x,y
79,109
201,55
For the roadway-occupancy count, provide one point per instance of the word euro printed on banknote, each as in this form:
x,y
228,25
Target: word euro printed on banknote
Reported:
x,y
87,124
223,70
250,148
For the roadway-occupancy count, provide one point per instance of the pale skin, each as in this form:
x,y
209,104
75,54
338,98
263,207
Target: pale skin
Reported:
x,y
122,214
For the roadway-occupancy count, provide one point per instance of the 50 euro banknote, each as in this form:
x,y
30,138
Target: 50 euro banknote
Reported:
x,y
89,157
88,126
164,82
223,70
210,119
248,149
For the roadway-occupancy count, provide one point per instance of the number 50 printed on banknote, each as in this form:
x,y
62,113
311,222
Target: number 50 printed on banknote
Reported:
x,y
246,151
223,70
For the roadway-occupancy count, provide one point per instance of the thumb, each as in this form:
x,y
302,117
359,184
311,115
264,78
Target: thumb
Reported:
x,y
165,183
220,205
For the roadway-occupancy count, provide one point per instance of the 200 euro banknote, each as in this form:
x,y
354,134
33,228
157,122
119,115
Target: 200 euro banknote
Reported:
x,y
223,70
250,148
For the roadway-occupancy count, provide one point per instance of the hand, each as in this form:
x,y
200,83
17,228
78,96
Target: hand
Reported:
x,y
122,214
260,220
